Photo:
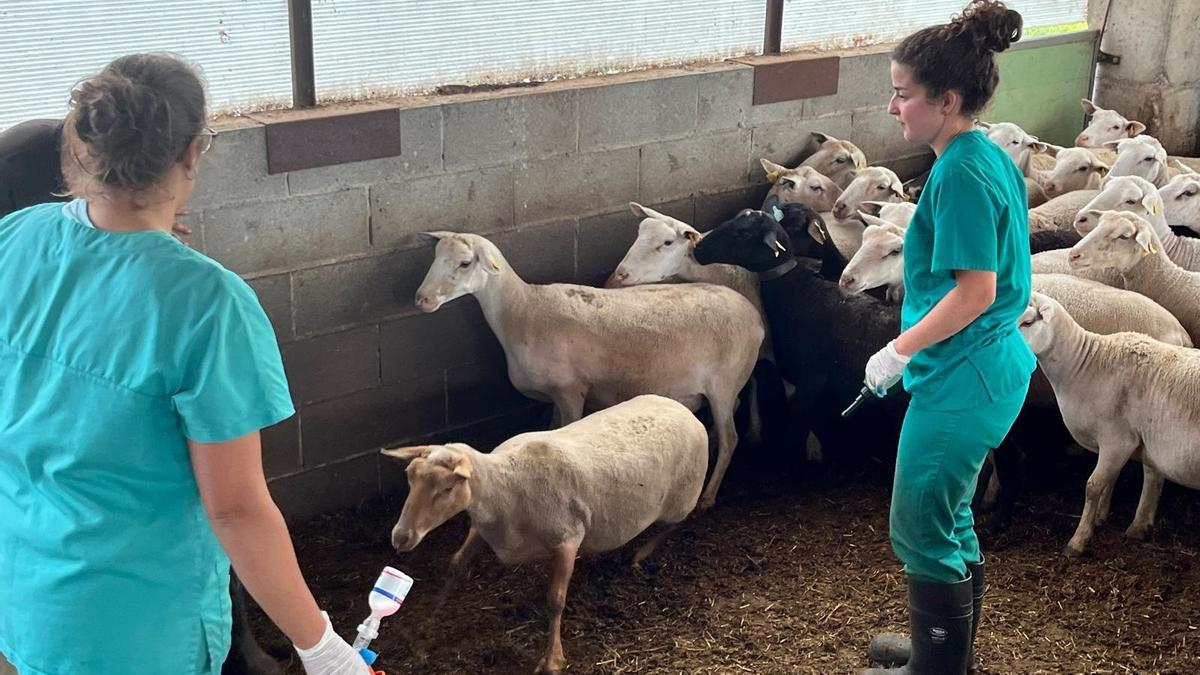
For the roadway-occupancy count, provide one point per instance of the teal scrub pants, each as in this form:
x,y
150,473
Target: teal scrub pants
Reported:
x,y
937,465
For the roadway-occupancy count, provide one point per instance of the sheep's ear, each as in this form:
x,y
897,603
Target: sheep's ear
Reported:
x,y
1184,168
872,220
1088,107
1101,168
773,170
1051,149
646,212
1144,236
872,207
822,138
1134,128
408,454
1152,202
983,125
1039,146
1112,145
1093,218
898,190
437,235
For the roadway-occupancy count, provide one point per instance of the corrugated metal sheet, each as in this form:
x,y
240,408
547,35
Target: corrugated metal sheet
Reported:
x,y
367,46
48,45
864,22
364,47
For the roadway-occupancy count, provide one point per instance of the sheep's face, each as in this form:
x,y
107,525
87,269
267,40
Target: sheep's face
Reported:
x,y
1106,125
1181,205
751,239
1120,193
802,185
873,183
1141,156
1120,240
897,213
462,264
836,159
1014,141
438,489
1074,169
662,250
1036,324
879,262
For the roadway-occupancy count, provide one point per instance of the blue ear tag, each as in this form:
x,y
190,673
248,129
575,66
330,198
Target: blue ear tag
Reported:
x,y
776,212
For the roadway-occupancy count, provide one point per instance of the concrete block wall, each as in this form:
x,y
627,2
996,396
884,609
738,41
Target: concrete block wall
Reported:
x,y
335,255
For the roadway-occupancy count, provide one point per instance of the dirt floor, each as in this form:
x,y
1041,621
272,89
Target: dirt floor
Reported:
x,y
785,575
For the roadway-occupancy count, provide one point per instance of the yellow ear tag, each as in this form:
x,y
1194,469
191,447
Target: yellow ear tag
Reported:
x,y
1154,208
492,261
773,176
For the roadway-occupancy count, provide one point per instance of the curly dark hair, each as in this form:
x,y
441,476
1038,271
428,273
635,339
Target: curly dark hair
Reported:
x,y
960,55
131,122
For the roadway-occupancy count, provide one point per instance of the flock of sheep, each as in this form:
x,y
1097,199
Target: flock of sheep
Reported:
x,y
775,301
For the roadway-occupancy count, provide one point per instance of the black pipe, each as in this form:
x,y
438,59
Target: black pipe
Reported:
x,y
304,87
773,30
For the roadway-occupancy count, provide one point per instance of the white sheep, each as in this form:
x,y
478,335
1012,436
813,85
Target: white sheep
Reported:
x,y
874,183
878,213
1059,213
1030,155
878,262
1105,126
1142,156
1138,195
1127,242
1074,169
1123,396
836,159
582,347
589,487
1179,197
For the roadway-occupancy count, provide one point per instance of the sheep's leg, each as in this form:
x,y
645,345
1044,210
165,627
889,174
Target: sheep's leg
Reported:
x,y
1105,506
754,428
1147,508
1108,467
568,406
646,549
471,547
562,565
722,411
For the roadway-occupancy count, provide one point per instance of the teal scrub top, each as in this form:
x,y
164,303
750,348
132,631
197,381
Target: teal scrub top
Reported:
x,y
115,348
972,215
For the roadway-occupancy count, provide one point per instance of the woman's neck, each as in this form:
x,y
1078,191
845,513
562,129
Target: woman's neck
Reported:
x,y
120,215
952,128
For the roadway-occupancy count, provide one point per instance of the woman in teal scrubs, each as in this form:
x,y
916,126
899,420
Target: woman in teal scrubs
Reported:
x,y
135,375
967,280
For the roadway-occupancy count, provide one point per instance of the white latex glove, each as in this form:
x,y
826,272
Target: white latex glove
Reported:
x,y
885,369
332,656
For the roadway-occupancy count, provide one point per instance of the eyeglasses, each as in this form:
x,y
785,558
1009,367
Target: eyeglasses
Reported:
x,y
208,133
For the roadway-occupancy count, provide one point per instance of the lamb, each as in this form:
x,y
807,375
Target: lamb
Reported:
x,y
589,487
582,347
879,262
1122,396
1127,242
1138,195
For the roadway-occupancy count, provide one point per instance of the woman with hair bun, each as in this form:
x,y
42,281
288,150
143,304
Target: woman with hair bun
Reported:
x,y
135,375
960,356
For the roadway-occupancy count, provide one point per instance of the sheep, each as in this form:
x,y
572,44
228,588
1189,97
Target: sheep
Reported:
x,y
664,250
878,213
836,159
802,185
1106,125
1030,155
1122,396
1179,198
1127,242
1059,212
879,262
589,487
579,346
1131,193
1142,156
874,183
1074,169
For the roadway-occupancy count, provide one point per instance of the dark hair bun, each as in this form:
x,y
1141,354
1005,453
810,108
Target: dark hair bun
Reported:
x,y
135,118
989,25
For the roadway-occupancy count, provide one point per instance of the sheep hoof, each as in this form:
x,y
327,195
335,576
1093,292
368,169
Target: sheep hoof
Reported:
x,y
1138,532
551,665
1073,551
705,503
